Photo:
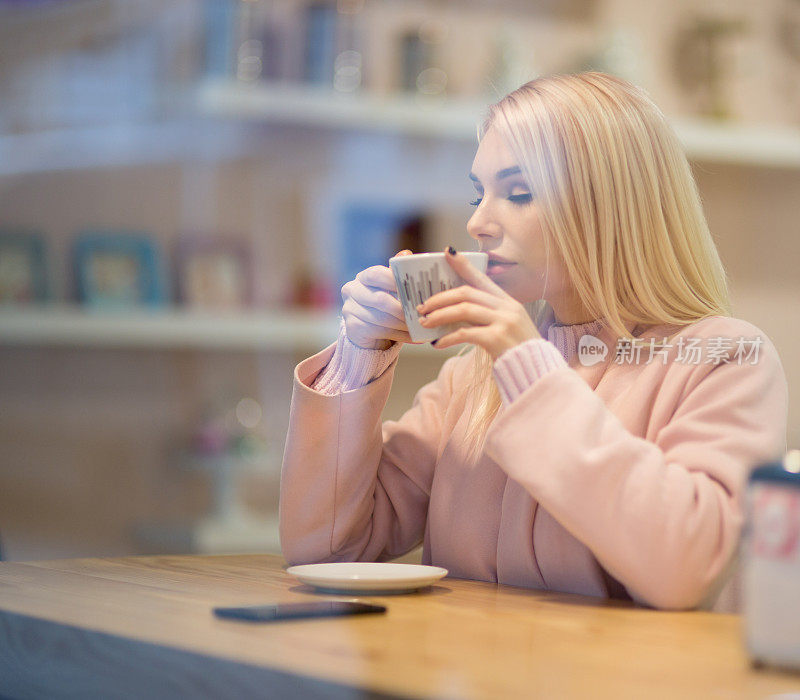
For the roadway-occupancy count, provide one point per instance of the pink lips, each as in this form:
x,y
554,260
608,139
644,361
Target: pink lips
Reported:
x,y
498,265
498,259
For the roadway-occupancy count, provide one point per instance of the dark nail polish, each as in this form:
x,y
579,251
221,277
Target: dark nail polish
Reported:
x,y
433,342
451,250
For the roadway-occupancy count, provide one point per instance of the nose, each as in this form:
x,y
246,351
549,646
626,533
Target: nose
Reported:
x,y
482,226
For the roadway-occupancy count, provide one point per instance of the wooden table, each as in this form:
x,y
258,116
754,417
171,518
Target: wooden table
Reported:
x,y
142,627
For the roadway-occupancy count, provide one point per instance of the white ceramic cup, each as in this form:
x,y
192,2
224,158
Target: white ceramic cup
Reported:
x,y
421,276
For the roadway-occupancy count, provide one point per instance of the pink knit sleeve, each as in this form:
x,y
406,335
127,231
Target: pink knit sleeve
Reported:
x,y
352,487
351,366
518,368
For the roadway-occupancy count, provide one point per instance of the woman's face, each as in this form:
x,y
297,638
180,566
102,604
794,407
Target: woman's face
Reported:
x,y
506,225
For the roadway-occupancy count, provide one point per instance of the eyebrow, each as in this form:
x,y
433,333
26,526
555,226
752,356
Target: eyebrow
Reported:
x,y
505,172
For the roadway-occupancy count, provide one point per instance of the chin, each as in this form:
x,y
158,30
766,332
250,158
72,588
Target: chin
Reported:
x,y
522,293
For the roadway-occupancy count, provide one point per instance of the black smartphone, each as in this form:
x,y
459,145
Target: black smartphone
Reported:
x,y
291,611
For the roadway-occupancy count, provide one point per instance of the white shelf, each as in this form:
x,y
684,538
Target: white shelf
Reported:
x,y
166,329
126,144
225,108
175,329
204,139
765,146
323,107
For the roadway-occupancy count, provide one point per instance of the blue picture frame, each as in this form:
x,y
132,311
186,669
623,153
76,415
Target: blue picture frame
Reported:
x,y
23,267
118,270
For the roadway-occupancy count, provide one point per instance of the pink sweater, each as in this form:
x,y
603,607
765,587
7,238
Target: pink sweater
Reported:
x,y
622,478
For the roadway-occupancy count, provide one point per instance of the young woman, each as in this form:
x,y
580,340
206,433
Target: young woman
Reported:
x,y
597,436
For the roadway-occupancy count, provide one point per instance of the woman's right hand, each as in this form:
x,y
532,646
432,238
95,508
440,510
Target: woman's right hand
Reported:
x,y
373,316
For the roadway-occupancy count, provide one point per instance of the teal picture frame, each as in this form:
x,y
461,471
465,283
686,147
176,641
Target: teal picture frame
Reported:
x,y
23,267
119,270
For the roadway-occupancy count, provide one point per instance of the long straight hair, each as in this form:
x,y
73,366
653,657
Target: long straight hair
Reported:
x,y
618,205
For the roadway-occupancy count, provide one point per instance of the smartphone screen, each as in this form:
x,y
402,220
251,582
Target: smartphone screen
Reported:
x,y
289,611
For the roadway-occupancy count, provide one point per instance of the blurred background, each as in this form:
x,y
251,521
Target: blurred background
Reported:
x,y
186,184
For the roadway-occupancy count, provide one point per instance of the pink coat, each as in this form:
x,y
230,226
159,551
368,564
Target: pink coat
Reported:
x,y
621,478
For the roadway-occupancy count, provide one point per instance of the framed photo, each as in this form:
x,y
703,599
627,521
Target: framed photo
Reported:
x,y
23,268
214,272
118,270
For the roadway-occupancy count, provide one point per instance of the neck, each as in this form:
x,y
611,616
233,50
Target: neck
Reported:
x,y
573,320
568,312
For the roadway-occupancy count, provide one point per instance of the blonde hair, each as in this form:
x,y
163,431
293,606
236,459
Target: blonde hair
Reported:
x,y
618,205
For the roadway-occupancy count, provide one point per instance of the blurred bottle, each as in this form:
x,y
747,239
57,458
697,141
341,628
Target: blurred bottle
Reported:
x,y
772,563
219,23
334,55
421,60
321,18
312,292
257,42
348,66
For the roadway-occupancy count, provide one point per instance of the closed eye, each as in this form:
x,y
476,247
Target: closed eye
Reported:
x,y
520,198
476,202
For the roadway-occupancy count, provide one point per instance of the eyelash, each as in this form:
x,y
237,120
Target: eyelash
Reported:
x,y
515,198
520,198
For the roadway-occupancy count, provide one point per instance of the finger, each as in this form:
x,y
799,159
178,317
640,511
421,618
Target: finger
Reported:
x,y
378,276
457,295
392,284
377,299
474,314
400,254
470,274
373,315
470,335
358,324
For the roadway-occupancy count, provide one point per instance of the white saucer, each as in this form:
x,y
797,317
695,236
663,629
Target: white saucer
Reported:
x,y
378,578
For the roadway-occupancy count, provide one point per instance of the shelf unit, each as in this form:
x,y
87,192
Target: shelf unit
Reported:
x,y
766,146
174,329
229,108
285,103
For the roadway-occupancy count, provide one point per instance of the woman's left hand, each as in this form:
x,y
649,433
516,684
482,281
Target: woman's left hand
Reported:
x,y
495,320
